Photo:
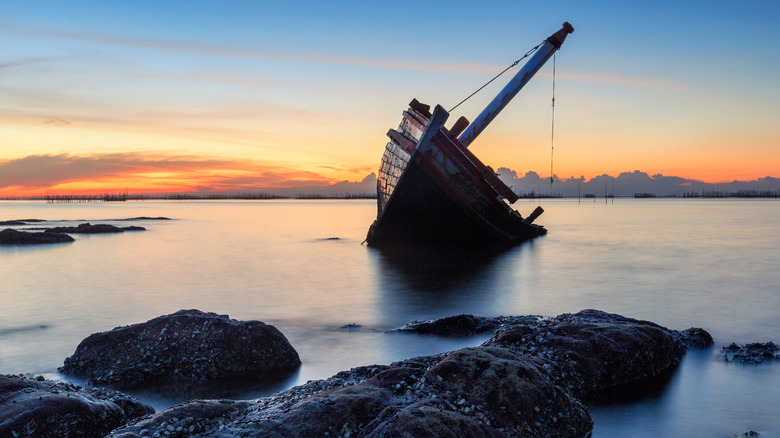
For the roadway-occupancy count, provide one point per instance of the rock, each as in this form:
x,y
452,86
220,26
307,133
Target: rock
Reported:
x,y
146,218
751,353
185,420
511,390
748,434
87,228
591,351
461,325
693,337
487,392
186,346
522,382
20,221
13,237
41,408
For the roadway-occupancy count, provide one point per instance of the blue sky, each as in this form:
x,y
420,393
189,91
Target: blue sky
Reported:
x,y
292,92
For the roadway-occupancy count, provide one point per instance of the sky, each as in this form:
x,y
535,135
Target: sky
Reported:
x,y
207,96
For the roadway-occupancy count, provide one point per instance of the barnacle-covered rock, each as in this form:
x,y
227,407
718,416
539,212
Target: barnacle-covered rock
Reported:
x,y
756,352
186,346
523,382
592,350
42,408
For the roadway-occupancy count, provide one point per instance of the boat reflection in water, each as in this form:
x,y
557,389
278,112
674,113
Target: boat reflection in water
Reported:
x,y
425,283
433,191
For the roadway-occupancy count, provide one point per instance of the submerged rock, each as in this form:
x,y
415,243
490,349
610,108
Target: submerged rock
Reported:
x,y
20,221
87,228
13,237
186,346
522,382
13,222
146,218
751,353
41,408
461,325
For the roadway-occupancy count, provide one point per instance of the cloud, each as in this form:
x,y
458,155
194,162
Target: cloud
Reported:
x,y
627,184
223,51
21,62
51,170
56,122
148,172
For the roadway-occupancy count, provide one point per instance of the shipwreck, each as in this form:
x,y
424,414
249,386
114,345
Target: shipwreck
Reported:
x,y
432,190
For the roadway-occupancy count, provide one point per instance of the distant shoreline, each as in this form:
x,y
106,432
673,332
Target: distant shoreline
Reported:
x,y
314,196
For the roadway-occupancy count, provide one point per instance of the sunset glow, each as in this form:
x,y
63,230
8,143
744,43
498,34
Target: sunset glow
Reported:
x,y
146,97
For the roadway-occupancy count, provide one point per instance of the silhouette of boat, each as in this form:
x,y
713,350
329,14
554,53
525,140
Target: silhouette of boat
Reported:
x,y
432,190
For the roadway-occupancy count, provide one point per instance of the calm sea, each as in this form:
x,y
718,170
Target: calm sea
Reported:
x,y
300,265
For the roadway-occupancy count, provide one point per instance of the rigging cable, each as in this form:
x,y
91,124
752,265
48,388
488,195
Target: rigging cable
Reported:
x,y
552,128
496,77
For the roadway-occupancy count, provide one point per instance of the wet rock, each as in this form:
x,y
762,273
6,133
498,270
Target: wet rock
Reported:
x,y
522,382
206,417
509,391
748,434
693,337
751,353
490,392
591,351
13,237
41,408
87,228
186,346
461,325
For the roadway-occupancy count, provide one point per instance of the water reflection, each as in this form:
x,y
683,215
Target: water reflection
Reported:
x,y
647,390
424,283
434,269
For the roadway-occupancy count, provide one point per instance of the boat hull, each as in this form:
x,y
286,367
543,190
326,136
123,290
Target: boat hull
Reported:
x,y
443,195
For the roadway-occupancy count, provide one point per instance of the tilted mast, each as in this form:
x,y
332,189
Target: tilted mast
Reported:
x,y
543,53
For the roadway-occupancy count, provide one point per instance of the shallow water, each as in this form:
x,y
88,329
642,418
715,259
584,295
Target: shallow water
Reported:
x,y
680,263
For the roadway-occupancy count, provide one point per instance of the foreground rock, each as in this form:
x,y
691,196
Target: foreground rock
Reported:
x,y
186,346
522,382
40,408
487,392
13,237
751,353
87,228
592,351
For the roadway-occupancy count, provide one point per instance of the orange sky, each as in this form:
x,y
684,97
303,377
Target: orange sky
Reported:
x,y
108,97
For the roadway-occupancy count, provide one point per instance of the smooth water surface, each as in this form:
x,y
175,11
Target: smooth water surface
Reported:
x,y
300,265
